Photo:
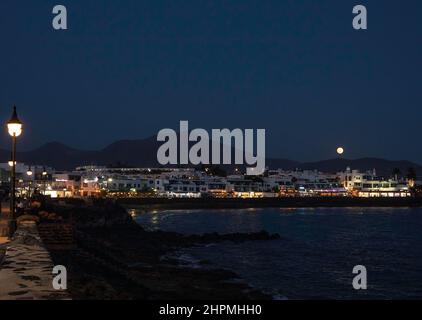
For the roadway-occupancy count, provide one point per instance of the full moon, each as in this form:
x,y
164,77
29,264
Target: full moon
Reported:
x,y
340,150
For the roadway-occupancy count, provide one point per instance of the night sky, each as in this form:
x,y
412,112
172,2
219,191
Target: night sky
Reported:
x,y
297,68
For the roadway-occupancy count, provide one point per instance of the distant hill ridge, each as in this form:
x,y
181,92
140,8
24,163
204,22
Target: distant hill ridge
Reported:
x,y
143,153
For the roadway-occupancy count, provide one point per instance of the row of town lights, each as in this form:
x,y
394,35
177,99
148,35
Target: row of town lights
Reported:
x,y
29,172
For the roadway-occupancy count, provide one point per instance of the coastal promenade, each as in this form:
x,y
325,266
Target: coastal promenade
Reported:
x,y
26,267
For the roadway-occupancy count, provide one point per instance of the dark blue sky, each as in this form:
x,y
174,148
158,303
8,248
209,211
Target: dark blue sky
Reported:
x,y
126,69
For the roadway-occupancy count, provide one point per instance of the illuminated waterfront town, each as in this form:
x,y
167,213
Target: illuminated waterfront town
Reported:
x,y
202,158
207,182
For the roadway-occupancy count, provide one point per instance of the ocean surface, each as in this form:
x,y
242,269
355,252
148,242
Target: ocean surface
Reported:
x,y
318,250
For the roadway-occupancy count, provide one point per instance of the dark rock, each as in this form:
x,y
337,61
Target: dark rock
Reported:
x,y
115,258
17,293
31,278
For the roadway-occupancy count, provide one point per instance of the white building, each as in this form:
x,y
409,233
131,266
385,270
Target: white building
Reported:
x,y
367,184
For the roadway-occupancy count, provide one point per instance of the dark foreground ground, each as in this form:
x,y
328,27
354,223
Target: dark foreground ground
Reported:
x,y
108,256
2,252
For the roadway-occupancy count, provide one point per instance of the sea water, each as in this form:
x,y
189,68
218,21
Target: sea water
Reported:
x,y
317,251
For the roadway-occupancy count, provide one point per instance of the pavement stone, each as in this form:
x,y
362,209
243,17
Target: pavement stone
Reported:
x,y
26,270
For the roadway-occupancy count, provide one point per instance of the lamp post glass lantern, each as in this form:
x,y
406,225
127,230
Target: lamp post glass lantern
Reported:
x,y
14,127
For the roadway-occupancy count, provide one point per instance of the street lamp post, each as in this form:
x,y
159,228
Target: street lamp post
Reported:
x,y
14,127
29,174
44,177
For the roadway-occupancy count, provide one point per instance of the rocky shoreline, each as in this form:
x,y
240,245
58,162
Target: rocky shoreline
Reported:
x,y
115,258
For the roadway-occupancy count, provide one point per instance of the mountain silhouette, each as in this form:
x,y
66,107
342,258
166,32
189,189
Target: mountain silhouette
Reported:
x,y
143,153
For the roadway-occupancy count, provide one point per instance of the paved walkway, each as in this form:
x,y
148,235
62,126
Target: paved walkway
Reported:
x,y
26,271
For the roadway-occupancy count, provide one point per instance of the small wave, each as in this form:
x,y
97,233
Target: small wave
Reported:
x,y
184,259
